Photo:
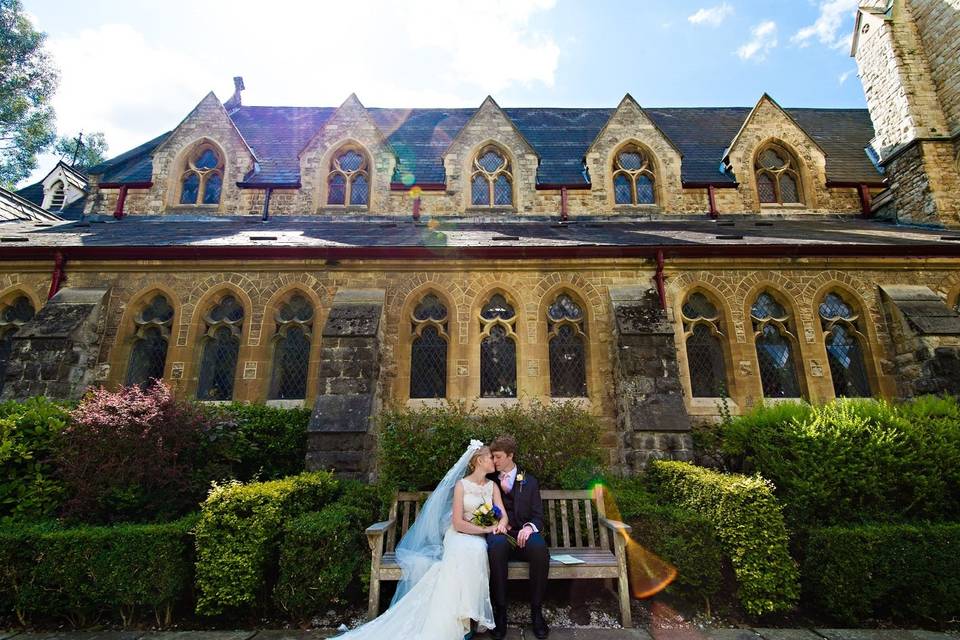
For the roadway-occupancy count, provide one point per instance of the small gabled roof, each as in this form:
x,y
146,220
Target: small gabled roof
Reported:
x,y
73,175
766,98
212,97
490,103
135,165
16,208
628,99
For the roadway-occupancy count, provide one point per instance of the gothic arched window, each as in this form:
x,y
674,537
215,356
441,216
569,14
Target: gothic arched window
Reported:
x,y
348,181
498,349
59,195
491,184
566,338
775,339
12,316
844,342
428,350
150,339
220,347
202,179
703,332
633,177
291,349
778,177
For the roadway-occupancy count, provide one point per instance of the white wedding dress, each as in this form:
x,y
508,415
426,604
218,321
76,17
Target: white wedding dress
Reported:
x,y
450,594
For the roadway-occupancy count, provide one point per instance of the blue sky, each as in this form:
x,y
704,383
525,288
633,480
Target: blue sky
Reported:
x,y
135,68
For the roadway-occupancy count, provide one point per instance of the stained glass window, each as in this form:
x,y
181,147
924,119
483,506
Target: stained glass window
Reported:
x,y
202,179
349,179
778,180
220,348
151,338
428,349
291,349
191,187
12,316
705,360
633,177
565,324
498,349
211,194
844,343
491,183
775,340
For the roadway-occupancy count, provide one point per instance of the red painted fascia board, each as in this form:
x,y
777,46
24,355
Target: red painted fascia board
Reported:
x,y
423,186
128,185
556,186
268,185
715,185
855,185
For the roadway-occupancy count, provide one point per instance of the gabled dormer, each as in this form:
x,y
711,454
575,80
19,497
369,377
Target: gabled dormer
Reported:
x,y
63,186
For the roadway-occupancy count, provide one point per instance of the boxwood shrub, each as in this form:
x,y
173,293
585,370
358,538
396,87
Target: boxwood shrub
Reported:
x,y
749,525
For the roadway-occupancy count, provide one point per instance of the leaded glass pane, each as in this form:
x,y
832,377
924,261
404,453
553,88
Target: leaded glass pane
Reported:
x,y
211,190
498,365
291,359
190,189
479,190
159,310
644,190
847,366
147,358
502,191
564,307
218,366
297,308
428,365
228,309
337,189
765,188
18,312
697,306
491,161
778,374
359,190
350,161
497,307
705,362
568,377
767,307
788,188
621,189
630,160
834,307
207,160
770,159
430,308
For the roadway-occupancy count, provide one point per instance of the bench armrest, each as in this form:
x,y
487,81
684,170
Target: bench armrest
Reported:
x,y
616,526
380,528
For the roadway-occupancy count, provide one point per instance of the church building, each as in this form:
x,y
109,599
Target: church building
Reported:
x,y
655,265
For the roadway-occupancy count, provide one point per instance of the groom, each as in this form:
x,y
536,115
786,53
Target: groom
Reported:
x,y
521,498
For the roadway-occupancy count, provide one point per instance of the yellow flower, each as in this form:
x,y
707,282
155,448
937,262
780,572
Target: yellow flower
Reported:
x,y
519,477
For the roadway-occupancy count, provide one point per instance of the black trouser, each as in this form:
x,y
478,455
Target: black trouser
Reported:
x,y
534,552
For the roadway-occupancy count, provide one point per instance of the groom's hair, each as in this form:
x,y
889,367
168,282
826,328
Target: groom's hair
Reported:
x,y
506,444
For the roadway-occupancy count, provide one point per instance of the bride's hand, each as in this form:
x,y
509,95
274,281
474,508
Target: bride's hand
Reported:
x,y
501,527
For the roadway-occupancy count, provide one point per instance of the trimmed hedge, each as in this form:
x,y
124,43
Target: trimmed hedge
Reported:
x,y
417,446
82,573
906,572
238,533
749,524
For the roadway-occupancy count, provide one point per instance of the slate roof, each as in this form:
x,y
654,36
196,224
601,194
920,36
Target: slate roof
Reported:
x,y
560,136
14,208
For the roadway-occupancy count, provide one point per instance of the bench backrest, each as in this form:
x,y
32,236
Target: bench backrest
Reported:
x,y
571,518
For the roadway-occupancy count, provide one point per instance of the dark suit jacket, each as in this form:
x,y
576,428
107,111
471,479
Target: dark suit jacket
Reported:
x,y
523,503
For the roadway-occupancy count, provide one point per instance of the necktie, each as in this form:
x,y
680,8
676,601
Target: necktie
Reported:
x,y
505,481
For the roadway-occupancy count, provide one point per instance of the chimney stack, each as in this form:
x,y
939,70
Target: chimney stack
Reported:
x,y
238,88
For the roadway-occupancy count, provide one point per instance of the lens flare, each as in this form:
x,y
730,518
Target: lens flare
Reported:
x,y
407,178
415,192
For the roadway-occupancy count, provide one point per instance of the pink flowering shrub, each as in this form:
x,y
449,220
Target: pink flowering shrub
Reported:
x,y
132,454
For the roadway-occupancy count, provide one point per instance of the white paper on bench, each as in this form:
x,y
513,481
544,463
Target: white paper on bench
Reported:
x,y
566,559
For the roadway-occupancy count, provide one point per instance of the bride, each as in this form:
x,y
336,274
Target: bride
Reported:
x,y
443,557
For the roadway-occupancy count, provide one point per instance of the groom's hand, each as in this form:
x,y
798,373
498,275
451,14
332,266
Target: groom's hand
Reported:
x,y
522,536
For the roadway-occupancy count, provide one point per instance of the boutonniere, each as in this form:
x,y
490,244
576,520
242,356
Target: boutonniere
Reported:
x,y
520,480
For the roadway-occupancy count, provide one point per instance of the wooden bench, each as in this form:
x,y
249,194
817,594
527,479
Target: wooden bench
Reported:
x,y
574,524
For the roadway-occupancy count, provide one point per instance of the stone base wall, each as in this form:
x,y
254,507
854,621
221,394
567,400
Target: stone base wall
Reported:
x,y
925,181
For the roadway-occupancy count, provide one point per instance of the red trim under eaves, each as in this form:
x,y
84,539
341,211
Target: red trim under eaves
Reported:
x,y
423,186
128,185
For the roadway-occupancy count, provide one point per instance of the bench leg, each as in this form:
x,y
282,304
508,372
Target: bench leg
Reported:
x,y
373,605
623,585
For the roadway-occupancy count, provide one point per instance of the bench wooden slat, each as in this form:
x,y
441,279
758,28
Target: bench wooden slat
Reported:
x,y
564,523
588,508
577,533
406,519
553,523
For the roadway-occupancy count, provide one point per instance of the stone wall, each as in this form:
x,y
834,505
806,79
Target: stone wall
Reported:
x,y
938,23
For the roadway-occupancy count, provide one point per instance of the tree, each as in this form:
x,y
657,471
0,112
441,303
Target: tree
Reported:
x,y
27,82
93,149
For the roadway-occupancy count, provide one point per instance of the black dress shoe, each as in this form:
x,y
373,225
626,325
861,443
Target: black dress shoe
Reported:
x,y
539,625
499,632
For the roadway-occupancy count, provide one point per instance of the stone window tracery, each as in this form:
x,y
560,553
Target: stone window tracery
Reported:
x,y
202,179
291,349
220,348
844,342
775,338
633,177
348,180
13,315
150,341
429,348
703,332
498,349
566,338
778,177
491,183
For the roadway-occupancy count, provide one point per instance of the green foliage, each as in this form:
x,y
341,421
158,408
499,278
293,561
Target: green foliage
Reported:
x,y
905,572
238,533
324,557
749,524
92,149
28,80
418,445
254,441
29,433
853,461
85,572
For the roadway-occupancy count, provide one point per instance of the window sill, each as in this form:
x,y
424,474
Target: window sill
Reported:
x,y
213,403
287,403
338,208
422,403
766,400
636,207
710,406
495,403
582,402
491,210
774,206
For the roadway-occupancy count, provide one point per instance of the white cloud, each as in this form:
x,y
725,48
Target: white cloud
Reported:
x,y
714,16
832,27
844,76
763,40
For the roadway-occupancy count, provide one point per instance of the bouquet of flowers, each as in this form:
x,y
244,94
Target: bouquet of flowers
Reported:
x,y
487,515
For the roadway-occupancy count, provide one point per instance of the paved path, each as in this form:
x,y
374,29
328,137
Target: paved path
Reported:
x,y
515,634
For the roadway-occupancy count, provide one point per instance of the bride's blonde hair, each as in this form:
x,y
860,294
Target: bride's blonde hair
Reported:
x,y
472,465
